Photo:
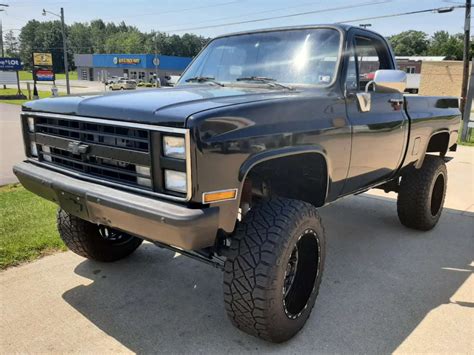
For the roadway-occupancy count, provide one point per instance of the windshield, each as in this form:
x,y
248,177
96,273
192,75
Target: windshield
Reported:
x,y
291,57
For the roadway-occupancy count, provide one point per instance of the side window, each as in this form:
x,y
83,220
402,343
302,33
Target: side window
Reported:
x,y
372,55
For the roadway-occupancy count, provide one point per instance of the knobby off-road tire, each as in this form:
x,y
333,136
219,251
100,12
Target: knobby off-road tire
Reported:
x,y
421,195
274,268
94,242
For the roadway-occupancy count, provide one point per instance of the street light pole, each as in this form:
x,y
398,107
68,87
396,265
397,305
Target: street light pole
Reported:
x,y
1,36
63,30
465,72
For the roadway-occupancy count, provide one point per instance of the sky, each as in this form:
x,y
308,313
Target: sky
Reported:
x,y
181,16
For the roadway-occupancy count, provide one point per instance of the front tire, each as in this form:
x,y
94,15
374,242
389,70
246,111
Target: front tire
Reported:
x,y
93,241
421,195
274,268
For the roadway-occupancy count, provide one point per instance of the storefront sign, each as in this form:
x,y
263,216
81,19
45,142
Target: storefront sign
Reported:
x,y
10,64
43,59
133,61
8,78
44,75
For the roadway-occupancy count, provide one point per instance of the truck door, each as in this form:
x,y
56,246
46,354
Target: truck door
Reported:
x,y
378,134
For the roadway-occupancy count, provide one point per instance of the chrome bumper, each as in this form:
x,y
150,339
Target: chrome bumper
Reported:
x,y
144,217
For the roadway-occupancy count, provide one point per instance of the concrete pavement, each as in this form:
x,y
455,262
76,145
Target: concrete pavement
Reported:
x,y
11,142
386,289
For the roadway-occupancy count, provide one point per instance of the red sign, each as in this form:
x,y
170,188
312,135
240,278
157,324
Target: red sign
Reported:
x,y
44,75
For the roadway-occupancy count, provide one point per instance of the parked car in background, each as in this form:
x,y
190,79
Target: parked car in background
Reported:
x,y
123,85
171,80
114,79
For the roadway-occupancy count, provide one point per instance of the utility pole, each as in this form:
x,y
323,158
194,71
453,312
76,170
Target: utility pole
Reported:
x,y
465,71
63,32
1,36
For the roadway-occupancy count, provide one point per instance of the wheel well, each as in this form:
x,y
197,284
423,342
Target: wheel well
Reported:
x,y
300,177
438,143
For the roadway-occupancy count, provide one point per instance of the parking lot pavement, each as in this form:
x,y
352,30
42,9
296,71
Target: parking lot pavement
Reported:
x,y
11,142
386,289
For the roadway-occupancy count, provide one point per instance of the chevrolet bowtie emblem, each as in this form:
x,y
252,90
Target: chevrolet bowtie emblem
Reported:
x,y
77,148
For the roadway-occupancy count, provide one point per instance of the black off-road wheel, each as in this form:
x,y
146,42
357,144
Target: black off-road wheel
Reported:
x,y
94,241
274,268
421,195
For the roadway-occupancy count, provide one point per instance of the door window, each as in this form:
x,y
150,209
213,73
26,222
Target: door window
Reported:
x,y
372,55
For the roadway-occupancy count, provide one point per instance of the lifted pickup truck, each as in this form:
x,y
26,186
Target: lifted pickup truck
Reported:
x,y
231,165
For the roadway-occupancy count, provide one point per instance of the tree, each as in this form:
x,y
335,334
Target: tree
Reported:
x,y
410,43
11,44
444,44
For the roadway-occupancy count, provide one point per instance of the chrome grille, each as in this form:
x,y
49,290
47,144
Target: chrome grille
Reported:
x,y
109,135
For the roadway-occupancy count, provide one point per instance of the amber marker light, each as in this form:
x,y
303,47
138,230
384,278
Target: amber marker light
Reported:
x,y
218,196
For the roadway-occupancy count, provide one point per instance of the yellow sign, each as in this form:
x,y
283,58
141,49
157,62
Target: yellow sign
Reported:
x,y
43,59
133,61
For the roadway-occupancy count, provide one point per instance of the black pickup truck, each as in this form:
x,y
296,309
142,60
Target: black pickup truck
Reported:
x,y
230,166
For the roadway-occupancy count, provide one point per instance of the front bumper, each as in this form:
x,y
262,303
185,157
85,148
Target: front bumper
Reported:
x,y
144,217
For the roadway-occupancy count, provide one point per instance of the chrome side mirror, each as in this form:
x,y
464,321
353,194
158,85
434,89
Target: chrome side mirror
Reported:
x,y
388,81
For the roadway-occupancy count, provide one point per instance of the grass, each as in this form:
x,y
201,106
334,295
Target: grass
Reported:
x,y
42,95
27,226
470,136
26,75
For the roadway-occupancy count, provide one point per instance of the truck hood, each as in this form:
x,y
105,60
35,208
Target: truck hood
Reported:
x,y
166,106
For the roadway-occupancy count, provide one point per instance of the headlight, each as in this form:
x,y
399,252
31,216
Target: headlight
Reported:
x,y
31,124
174,147
175,181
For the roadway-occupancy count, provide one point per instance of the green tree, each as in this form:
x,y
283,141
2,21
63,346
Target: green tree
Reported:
x,y
444,44
410,43
12,44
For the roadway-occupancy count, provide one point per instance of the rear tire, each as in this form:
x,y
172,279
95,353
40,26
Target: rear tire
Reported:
x,y
274,268
93,241
421,195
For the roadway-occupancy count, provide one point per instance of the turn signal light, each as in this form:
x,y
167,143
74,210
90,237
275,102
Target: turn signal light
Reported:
x,y
218,196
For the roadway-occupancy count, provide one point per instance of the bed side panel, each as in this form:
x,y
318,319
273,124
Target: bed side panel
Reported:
x,y
430,115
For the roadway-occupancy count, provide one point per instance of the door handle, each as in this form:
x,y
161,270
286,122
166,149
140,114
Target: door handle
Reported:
x,y
396,101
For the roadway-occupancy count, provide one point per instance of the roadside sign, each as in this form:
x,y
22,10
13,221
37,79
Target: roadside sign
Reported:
x,y
10,64
44,75
43,59
8,78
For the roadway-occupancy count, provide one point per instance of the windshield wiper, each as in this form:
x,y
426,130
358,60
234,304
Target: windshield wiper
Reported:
x,y
265,80
203,79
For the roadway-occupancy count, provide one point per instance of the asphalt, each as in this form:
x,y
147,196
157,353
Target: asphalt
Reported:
x,y
386,289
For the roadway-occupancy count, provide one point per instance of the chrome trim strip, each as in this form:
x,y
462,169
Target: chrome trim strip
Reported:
x,y
105,182
110,122
187,142
184,131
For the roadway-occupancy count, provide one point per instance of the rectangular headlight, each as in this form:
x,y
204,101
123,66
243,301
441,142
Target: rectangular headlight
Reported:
x,y
174,147
175,181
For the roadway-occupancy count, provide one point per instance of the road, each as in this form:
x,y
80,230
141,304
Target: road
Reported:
x,y
386,289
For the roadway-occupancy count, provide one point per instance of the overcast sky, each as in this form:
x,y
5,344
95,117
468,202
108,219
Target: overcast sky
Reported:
x,y
180,16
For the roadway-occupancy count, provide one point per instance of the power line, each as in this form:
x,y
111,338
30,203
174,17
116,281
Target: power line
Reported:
x,y
404,14
344,7
240,16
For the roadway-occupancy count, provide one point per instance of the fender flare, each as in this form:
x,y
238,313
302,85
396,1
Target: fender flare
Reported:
x,y
267,155
420,161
